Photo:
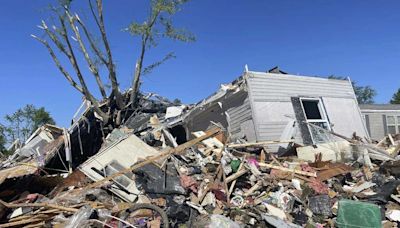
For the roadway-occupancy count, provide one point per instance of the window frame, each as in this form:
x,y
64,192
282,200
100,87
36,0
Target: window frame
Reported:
x,y
324,117
396,124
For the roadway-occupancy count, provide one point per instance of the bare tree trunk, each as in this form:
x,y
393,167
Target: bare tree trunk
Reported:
x,y
139,63
136,80
75,65
110,63
92,67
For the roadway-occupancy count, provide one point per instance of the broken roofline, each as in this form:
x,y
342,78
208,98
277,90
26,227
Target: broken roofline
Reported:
x,y
239,80
261,102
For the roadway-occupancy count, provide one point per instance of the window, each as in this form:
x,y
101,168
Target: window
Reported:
x,y
311,109
393,124
315,114
123,180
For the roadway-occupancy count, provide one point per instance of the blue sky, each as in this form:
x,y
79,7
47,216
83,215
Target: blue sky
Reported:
x,y
359,39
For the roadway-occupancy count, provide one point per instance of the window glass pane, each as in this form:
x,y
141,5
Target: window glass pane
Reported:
x,y
319,135
398,120
398,130
392,129
390,120
311,109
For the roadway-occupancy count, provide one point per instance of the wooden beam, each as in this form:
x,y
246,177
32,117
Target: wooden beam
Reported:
x,y
48,205
258,144
288,170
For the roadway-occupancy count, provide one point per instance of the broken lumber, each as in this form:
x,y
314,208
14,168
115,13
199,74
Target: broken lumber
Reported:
x,y
48,205
304,173
236,175
257,144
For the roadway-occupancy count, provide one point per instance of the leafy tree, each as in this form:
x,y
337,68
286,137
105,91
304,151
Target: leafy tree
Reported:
x,y
41,117
2,139
70,37
23,122
395,98
177,101
364,94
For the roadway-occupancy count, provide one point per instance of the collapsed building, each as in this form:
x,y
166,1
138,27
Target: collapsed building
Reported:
x,y
273,105
210,164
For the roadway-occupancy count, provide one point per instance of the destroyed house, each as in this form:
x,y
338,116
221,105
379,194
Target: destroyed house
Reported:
x,y
273,105
381,119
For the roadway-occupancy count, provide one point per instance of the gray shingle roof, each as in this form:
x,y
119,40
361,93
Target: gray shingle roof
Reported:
x,y
380,106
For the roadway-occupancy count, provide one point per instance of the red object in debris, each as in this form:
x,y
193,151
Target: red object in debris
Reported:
x,y
307,168
219,195
253,161
32,197
189,182
318,186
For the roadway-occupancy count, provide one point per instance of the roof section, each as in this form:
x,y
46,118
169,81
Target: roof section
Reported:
x,y
380,107
289,76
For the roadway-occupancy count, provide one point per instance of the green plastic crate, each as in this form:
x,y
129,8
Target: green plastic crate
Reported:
x,y
355,214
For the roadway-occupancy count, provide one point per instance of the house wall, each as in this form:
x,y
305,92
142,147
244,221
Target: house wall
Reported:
x,y
270,97
232,111
375,121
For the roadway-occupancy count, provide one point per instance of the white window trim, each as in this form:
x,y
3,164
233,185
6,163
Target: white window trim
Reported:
x,y
321,111
396,124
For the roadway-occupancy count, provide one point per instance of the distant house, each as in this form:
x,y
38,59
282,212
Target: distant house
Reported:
x,y
381,119
274,105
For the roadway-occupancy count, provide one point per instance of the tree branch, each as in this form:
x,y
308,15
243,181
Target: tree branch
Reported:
x,y
74,64
139,63
110,64
92,66
58,64
92,43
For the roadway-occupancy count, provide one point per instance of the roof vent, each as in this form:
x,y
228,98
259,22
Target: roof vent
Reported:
x,y
276,70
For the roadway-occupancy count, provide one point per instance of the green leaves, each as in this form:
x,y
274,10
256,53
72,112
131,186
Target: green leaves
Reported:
x,y
395,98
364,94
149,69
176,33
159,24
2,139
138,29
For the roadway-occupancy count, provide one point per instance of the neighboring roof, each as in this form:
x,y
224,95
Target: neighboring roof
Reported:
x,y
382,107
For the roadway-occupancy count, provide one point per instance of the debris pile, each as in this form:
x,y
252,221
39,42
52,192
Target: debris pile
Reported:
x,y
149,173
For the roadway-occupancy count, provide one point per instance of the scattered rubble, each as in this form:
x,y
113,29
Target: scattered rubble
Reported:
x,y
149,173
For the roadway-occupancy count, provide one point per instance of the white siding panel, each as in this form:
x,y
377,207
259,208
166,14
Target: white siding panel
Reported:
x,y
264,86
272,118
345,117
237,116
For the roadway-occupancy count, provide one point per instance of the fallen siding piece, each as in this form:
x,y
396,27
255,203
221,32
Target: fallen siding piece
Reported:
x,y
179,149
362,187
117,156
211,142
